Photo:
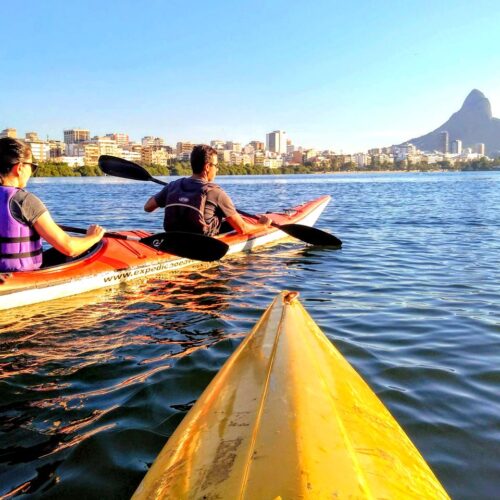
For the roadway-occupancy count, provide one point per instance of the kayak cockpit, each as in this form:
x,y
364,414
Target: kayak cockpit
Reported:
x,y
54,258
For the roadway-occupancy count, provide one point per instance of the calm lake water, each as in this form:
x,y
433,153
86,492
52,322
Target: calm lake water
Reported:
x,y
92,386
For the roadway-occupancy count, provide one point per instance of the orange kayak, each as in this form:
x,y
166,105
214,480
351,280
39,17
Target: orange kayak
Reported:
x,y
115,261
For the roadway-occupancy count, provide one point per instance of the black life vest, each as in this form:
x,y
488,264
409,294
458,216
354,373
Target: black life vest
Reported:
x,y
185,208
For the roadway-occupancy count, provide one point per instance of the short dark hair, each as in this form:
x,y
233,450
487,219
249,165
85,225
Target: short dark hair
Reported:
x,y
201,154
12,151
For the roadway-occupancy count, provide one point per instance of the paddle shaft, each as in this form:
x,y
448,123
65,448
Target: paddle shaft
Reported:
x,y
116,236
187,245
256,218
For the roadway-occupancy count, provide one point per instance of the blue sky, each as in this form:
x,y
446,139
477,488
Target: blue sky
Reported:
x,y
344,75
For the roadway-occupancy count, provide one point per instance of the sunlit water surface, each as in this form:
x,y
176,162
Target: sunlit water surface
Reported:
x,y
92,386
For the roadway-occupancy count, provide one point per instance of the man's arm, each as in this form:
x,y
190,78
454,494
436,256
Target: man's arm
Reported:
x,y
151,205
243,227
66,244
158,200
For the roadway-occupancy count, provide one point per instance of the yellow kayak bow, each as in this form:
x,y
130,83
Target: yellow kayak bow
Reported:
x,y
287,417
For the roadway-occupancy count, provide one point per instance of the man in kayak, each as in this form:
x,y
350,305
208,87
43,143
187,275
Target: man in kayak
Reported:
x,y
24,219
196,204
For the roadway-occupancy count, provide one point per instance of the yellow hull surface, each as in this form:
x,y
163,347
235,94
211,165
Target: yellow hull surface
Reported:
x,y
287,417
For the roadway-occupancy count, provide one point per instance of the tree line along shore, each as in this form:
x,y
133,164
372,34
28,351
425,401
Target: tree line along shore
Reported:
x,y
48,169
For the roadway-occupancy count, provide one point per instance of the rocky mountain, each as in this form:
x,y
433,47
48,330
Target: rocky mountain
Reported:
x,y
473,123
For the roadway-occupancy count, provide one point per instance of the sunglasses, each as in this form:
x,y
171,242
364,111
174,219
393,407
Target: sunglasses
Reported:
x,y
34,166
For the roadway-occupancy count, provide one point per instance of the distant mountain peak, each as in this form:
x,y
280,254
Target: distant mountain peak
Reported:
x,y
477,102
472,124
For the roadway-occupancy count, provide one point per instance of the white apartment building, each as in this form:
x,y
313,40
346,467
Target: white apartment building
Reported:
x,y
402,152
456,147
276,142
107,146
40,150
91,150
73,161
362,160
131,155
273,162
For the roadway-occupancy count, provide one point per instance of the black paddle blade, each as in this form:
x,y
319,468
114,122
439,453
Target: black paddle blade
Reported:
x,y
311,235
188,245
118,167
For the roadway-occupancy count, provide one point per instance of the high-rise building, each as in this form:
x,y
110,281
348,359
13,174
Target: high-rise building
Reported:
x,y
9,132
276,142
444,141
480,149
456,147
76,135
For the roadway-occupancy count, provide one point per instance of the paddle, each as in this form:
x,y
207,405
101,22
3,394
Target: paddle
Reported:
x,y
187,245
311,235
118,167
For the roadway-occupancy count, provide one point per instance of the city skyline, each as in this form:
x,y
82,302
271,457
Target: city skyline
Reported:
x,y
341,77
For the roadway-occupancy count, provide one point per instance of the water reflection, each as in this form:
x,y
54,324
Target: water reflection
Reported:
x,y
68,369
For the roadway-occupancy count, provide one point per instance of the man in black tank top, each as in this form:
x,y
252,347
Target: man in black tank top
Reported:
x,y
196,204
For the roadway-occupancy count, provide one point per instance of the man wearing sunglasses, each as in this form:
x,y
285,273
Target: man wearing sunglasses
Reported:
x,y
24,219
196,204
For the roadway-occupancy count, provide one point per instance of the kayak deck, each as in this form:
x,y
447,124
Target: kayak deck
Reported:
x,y
288,417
